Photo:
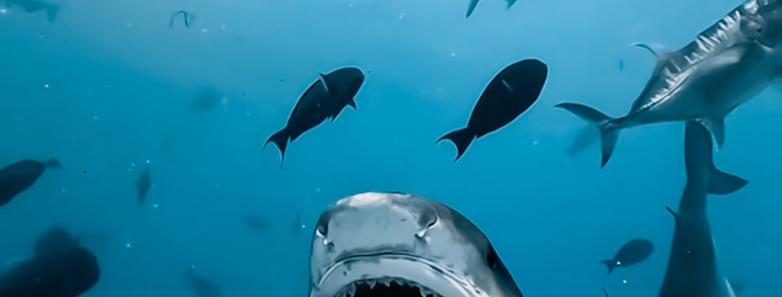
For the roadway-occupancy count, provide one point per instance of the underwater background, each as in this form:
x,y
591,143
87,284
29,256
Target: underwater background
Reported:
x,y
107,88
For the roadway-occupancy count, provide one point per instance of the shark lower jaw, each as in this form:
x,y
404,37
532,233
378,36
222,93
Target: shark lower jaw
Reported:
x,y
397,275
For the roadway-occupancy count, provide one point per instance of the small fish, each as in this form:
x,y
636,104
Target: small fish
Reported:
x,y
59,268
32,6
187,18
206,100
143,184
324,99
621,65
256,223
18,177
633,252
202,286
507,96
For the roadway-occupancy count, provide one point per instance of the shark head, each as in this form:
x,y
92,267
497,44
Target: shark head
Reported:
x,y
382,244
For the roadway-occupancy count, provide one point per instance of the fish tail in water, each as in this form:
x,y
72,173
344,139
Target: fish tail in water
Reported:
x,y
609,132
281,140
53,163
510,3
610,264
461,138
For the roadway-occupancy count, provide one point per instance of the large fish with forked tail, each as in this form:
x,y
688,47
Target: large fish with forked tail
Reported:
x,y
726,65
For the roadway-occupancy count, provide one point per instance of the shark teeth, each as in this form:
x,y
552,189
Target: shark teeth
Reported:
x,y
352,289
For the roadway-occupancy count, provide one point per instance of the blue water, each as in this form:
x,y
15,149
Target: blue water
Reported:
x,y
106,89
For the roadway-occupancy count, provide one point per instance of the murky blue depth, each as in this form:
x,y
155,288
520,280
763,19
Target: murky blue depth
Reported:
x,y
108,88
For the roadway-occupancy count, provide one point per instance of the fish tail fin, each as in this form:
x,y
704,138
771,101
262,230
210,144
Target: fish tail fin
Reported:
x,y
510,3
471,8
699,157
461,138
53,163
281,140
610,264
609,131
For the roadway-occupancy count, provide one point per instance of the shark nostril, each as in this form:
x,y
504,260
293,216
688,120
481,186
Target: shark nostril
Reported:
x,y
426,221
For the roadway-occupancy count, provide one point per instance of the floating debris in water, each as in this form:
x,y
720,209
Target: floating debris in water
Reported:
x,y
187,18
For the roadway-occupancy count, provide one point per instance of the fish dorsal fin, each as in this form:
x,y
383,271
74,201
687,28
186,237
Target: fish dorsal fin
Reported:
x,y
508,87
716,127
662,53
324,82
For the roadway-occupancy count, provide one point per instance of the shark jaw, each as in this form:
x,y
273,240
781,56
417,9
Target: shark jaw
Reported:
x,y
391,244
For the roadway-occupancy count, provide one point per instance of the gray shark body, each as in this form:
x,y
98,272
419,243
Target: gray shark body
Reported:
x,y
389,244
692,267
726,65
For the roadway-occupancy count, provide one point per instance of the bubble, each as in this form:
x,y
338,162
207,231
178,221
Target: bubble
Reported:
x,y
128,245
624,282
45,86
155,205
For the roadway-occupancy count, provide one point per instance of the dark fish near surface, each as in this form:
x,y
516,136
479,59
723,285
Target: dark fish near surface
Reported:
x,y
633,252
32,6
187,18
143,184
201,286
474,3
506,97
324,99
59,268
18,177
256,223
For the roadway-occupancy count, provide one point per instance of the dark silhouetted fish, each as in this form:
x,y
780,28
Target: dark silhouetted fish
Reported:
x,y
692,265
188,19
324,99
633,252
18,177
206,100
256,223
143,184
32,6
201,286
506,97
59,268
474,3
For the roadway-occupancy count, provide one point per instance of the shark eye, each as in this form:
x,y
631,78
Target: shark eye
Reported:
x,y
492,259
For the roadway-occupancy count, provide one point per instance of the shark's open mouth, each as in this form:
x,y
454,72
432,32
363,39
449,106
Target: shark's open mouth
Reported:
x,y
386,287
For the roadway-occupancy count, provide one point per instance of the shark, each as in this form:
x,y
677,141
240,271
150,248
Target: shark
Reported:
x,y
692,269
402,245
725,66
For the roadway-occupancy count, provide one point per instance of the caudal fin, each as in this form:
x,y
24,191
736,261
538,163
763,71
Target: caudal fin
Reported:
x,y
610,264
461,138
53,163
281,140
609,134
721,183
471,8
510,3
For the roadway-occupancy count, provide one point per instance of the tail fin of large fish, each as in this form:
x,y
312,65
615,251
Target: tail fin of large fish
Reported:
x,y
510,3
700,162
281,140
609,133
471,8
461,138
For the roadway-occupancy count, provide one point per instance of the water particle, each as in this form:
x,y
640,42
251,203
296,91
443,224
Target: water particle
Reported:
x,y
402,15
148,161
3,10
155,205
624,282
128,245
317,189
46,86
453,54
132,164
95,117
204,30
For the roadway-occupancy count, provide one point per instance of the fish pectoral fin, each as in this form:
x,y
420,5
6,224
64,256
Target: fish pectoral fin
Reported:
x,y
658,50
721,183
673,213
716,127
324,83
